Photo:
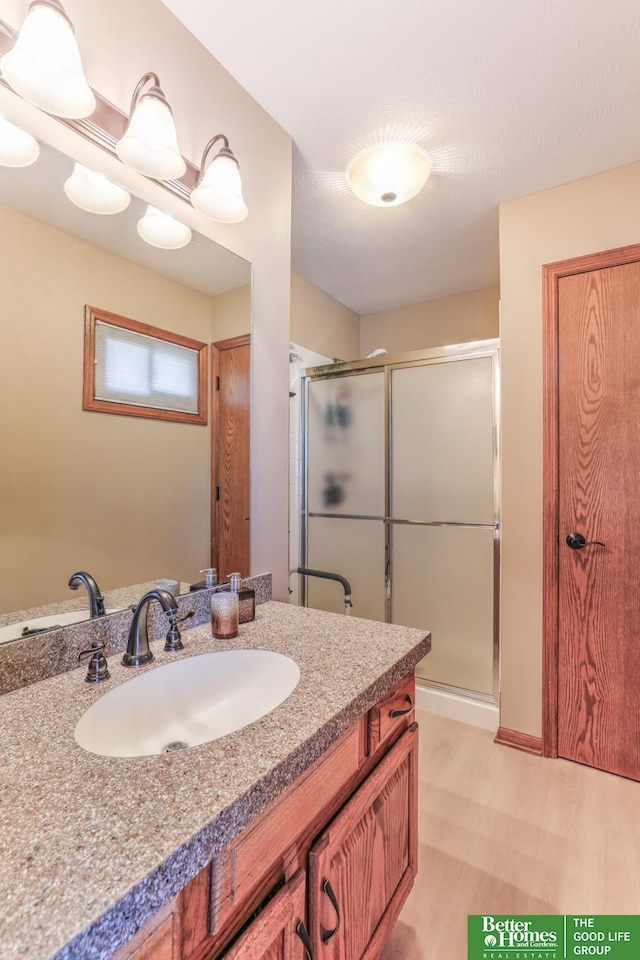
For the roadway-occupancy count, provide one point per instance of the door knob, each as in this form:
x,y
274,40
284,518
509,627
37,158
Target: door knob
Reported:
x,y
576,541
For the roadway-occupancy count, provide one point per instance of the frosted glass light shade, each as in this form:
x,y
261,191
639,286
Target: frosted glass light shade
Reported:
x,y
93,192
17,147
389,176
161,230
219,193
44,64
150,143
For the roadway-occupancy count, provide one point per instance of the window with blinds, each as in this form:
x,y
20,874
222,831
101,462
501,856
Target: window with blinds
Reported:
x,y
134,369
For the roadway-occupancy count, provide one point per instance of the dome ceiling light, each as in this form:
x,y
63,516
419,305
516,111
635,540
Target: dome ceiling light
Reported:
x,y
161,230
44,64
17,147
389,176
218,192
94,193
150,142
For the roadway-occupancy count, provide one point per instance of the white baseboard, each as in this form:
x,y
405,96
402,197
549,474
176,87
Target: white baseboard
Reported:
x,y
456,707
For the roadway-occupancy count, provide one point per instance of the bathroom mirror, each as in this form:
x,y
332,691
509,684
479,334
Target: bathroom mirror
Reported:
x,y
125,498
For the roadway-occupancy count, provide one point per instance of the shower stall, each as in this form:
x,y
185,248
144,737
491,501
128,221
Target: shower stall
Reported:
x,y
400,494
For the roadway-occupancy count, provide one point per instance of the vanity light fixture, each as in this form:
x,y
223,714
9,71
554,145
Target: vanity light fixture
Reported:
x,y
161,230
150,143
44,64
94,193
218,192
389,176
17,147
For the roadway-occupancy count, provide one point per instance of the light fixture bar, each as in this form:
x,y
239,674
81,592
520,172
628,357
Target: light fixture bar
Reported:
x,y
106,127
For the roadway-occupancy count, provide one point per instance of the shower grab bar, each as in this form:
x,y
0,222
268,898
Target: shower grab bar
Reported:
x,y
324,575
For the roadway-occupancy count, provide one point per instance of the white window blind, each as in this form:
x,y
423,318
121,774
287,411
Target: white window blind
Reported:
x,y
144,371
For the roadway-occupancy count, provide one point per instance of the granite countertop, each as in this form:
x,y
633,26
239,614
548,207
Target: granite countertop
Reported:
x,y
93,846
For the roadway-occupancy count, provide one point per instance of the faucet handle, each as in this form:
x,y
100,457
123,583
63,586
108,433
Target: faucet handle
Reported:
x,y
97,669
173,640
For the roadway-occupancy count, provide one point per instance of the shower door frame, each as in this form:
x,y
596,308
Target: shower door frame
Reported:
x,y
387,364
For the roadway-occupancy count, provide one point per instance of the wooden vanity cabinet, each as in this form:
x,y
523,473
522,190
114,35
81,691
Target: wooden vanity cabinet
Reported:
x,y
334,855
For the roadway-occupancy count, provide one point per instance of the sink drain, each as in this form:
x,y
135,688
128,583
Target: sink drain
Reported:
x,y
175,745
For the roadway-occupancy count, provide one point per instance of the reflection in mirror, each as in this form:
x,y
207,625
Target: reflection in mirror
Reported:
x,y
125,498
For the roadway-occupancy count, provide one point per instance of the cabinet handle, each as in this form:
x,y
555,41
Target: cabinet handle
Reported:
x,y
402,713
301,931
327,934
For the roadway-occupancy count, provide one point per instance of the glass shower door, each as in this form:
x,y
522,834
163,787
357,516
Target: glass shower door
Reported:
x,y
443,520
345,491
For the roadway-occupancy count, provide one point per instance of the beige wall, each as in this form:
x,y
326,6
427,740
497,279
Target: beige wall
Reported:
x,y
231,313
120,41
322,324
435,323
590,215
122,497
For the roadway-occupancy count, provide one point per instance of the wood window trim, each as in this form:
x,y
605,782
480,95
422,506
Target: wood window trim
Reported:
x,y
93,315
551,274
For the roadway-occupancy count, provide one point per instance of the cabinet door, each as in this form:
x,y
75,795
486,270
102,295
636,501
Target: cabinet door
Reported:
x,y
362,867
278,932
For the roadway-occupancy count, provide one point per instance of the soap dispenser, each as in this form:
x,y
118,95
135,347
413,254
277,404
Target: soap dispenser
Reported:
x,y
208,583
246,599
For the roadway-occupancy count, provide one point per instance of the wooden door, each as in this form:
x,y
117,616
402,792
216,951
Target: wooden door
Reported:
x,y
362,867
278,932
598,483
230,456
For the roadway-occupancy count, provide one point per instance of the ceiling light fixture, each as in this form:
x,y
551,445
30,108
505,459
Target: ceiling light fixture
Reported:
x,y
17,147
389,176
44,64
150,143
218,192
161,230
94,193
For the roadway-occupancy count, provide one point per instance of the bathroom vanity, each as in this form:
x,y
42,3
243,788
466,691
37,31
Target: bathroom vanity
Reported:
x,y
342,839
294,837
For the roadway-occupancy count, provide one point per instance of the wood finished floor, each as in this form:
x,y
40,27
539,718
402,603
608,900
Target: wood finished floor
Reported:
x,y
505,832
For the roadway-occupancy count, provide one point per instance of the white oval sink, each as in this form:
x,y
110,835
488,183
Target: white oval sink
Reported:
x,y
14,630
188,702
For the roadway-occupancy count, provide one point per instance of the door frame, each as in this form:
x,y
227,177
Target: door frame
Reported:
x,y
551,274
244,340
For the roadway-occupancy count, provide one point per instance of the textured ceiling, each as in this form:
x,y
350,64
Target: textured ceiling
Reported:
x,y
507,97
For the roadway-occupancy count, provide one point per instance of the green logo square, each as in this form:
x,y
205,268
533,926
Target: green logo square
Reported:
x,y
499,937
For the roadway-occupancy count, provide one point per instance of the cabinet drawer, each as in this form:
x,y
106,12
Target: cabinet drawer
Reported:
x,y
275,844
392,715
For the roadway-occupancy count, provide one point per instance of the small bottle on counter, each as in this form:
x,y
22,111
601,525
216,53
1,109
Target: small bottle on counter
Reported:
x,y
246,598
224,615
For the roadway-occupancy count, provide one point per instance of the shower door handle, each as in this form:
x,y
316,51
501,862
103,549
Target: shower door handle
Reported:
x,y
577,542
